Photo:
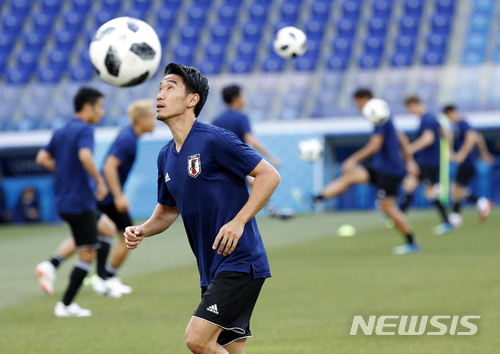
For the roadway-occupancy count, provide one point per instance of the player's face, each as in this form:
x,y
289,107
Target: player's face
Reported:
x,y
453,116
361,101
97,111
171,100
414,108
148,122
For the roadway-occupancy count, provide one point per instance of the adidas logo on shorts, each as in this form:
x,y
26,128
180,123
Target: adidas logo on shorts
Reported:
x,y
213,308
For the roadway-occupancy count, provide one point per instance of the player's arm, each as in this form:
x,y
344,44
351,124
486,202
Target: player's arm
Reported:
x,y
470,142
251,140
162,218
411,166
484,153
85,157
266,181
110,171
371,148
425,140
46,160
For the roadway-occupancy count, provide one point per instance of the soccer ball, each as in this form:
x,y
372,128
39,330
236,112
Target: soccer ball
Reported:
x,y
311,149
376,111
290,42
125,52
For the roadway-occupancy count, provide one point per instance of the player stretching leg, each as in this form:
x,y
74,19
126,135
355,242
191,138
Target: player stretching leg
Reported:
x,y
69,154
465,156
386,173
201,175
426,149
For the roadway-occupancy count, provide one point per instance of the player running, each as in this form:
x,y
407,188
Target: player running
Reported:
x,y
426,149
201,176
465,155
69,154
385,172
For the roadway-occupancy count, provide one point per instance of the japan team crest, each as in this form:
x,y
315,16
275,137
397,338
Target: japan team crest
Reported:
x,y
194,165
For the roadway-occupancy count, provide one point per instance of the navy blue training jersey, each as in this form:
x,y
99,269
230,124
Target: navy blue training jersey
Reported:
x,y
429,157
124,149
389,160
72,185
460,130
235,122
206,181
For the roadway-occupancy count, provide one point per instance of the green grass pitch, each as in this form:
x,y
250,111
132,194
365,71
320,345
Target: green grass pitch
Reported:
x,y
320,281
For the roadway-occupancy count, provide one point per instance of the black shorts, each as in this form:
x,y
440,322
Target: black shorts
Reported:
x,y
464,175
387,185
429,176
84,228
228,302
121,220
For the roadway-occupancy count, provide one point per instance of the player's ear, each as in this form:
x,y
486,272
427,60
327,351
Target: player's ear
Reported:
x,y
193,100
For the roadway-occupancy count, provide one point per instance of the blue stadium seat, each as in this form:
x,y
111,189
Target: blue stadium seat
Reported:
x,y
85,57
6,43
336,62
65,41
374,46
437,43
12,24
82,6
369,61
190,35
141,14
184,54
342,47
314,30
414,7
346,28
320,11
313,48
273,63
264,3
433,58
241,66
112,6
233,3
166,17
377,26
247,51
33,42
445,7
382,8
215,52
479,23
289,12
252,32
228,15
42,23
89,34
20,7
59,59
163,34
81,73
203,3
51,7
172,4
196,17
73,21
409,25
103,16
142,4
405,44
27,61
351,9
258,13
209,67
401,59
49,75
26,124
440,24
220,34
306,63
17,77
486,7
477,42
473,57
281,24
3,62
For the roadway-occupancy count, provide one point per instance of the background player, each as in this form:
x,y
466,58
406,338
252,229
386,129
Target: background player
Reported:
x,y
465,155
386,173
201,175
69,154
426,149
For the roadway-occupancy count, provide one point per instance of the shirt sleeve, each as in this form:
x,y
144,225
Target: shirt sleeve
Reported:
x,y
50,148
464,127
121,150
164,197
380,129
231,153
245,125
86,139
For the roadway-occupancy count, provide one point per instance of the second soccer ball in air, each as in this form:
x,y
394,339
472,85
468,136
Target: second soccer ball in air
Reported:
x,y
376,111
311,149
290,42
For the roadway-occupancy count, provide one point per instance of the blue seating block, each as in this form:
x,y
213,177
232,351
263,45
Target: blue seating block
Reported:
x,y
252,32
142,4
65,40
209,67
59,59
477,42
369,61
18,77
414,7
184,54
484,6
342,47
346,28
215,52
351,9
440,24
6,43
320,11
409,25
81,73
479,23
242,65
247,51
163,34
273,63
401,59
172,4
12,24
306,63
228,15
258,13
196,17
166,17
27,61
137,13
49,74
437,43
190,35
289,12
473,57
42,23
433,58
205,4
314,29
377,26
51,7
112,6
103,16
405,44
220,33
382,8
374,46
445,7
74,21
20,7
82,6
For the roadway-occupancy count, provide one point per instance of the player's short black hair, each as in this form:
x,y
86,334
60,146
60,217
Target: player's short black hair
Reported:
x,y
449,108
86,95
194,82
363,93
229,93
412,100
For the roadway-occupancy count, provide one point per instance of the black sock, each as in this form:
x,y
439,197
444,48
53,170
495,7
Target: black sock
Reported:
x,y
442,210
406,199
110,270
317,198
56,260
75,280
102,256
472,198
409,238
456,207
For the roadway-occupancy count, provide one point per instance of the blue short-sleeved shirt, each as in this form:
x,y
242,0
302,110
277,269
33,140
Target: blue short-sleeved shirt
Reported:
x,y
124,149
235,122
389,160
206,181
73,187
429,157
459,131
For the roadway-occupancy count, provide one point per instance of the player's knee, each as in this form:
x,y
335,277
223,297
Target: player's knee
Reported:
x,y
108,229
196,345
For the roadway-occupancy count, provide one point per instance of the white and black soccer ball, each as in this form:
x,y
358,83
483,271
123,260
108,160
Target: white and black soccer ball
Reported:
x,y
125,52
310,149
290,42
376,111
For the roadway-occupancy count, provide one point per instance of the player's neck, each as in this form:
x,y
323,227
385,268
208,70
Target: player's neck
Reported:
x,y
180,128
83,118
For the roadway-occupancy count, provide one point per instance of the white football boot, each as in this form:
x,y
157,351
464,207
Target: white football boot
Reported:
x,y
46,273
484,207
72,310
116,283
105,288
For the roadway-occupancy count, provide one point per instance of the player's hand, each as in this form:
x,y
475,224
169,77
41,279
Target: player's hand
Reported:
x,y
275,162
121,203
133,236
412,168
488,158
102,190
348,165
228,237
457,158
